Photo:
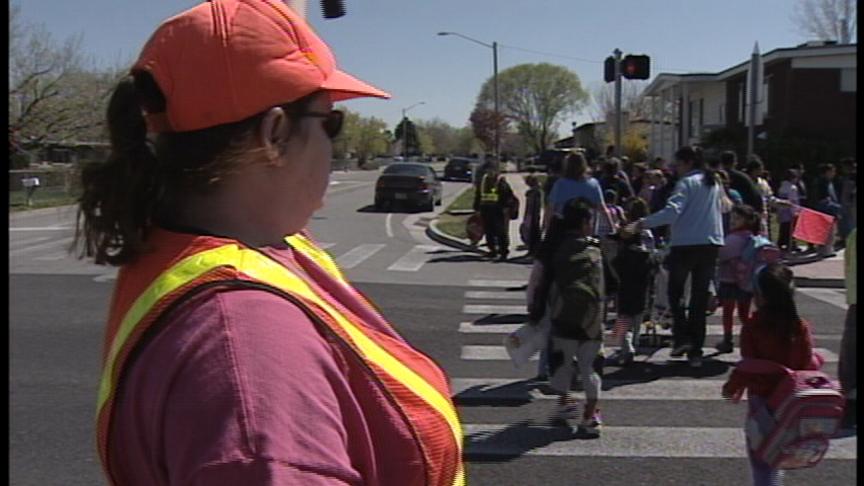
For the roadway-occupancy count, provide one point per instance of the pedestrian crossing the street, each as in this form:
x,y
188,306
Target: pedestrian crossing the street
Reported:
x,y
657,407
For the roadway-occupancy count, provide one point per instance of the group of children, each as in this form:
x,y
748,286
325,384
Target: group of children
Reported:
x,y
570,283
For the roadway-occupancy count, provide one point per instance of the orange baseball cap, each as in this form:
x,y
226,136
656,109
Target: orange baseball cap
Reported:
x,y
226,60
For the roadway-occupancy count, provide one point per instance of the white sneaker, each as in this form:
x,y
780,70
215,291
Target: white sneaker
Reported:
x,y
591,427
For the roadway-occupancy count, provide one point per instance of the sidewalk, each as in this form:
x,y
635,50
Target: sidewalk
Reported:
x,y
827,272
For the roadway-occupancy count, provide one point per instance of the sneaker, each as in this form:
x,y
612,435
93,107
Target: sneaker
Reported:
x,y
680,350
725,346
694,361
591,427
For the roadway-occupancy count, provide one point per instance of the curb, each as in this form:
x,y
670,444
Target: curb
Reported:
x,y
439,236
825,283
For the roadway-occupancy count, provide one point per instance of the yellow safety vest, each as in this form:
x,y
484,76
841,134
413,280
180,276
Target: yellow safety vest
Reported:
x,y
183,263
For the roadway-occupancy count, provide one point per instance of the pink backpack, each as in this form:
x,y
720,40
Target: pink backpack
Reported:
x,y
803,412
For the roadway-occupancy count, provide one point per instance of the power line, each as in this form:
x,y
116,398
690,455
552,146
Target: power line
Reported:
x,y
582,59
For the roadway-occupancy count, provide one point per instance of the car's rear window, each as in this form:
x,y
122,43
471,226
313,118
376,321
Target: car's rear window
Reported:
x,y
458,163
406,169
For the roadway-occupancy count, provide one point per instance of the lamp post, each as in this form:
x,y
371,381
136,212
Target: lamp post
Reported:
x,y
494,47
405,129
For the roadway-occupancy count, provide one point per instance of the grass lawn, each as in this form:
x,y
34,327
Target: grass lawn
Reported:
x,y
43,198
454,224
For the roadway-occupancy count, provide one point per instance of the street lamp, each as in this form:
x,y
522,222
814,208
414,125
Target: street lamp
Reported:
x,y
405,129
494,47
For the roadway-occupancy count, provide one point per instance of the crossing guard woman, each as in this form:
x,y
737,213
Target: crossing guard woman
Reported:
x,y
236,352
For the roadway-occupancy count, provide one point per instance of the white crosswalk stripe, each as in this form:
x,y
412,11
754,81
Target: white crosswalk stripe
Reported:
x,y
414,259
527,434
495,353
630,442
493,309
17,244
835,297
483,294
41,246
712,330
357,255
509,389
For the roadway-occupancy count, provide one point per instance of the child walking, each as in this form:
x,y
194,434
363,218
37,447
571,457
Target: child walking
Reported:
x,y
575,297
776,333
633,265
744,222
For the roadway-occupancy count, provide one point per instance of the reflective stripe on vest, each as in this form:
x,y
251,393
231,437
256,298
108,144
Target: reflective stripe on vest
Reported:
x,y
231,262
488,197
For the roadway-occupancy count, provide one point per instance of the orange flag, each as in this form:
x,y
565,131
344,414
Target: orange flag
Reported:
x,y
813,226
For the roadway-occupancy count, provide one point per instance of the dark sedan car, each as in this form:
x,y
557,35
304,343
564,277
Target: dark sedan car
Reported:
x,y
458,169
415,184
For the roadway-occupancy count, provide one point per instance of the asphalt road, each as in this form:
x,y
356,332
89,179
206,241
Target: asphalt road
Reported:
x,y
665,423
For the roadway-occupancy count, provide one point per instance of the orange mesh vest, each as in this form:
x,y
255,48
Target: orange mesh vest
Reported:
x,y
183,264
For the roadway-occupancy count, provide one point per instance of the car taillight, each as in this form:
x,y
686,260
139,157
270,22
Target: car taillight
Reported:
x,y
424,186
379,184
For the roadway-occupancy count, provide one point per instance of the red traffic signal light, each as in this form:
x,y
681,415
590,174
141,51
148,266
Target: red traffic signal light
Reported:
x,y
636,66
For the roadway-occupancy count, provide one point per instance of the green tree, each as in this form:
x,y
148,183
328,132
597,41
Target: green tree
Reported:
x,y
54,92
372,139
437,136
535,98
364,137
466,142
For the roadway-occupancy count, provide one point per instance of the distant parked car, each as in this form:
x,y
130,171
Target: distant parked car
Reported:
x,y
459,169
410,183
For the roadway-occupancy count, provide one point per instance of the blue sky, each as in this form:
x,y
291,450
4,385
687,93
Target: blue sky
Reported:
x,y
393,43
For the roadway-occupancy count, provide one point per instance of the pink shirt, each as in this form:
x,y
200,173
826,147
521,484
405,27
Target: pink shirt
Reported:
x,y
730,253
240,387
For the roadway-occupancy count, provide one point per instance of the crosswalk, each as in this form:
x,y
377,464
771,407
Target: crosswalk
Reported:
x,y
47,246
658,407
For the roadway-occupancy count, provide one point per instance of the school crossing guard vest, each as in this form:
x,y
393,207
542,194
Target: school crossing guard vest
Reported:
x,y
185,264
490,196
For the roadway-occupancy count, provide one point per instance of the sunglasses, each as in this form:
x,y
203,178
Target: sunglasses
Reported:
x,y
332,122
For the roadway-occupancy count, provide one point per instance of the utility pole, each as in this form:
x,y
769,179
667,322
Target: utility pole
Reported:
x,y
617,53
754,98
497,113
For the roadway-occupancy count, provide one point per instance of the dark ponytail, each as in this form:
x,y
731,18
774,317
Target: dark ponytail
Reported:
x,y
143,183
694,156
778,312
120,195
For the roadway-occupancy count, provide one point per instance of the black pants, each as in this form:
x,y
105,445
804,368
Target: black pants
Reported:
x,y
698,262
497,228
784,239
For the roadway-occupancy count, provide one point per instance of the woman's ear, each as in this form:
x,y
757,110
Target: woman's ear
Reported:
x,y
273,134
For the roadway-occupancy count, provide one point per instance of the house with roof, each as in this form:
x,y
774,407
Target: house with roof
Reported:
x,y
808,93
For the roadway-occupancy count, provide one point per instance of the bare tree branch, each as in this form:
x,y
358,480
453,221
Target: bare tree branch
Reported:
x,y
826,19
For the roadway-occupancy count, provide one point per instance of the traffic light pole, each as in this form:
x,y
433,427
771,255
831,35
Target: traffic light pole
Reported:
x,y
618,121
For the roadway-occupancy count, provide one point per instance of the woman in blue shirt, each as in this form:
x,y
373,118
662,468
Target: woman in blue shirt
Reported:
x,y
576,182
694,215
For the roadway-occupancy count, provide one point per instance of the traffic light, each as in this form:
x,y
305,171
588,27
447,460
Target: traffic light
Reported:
x,y
636,66
609,69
